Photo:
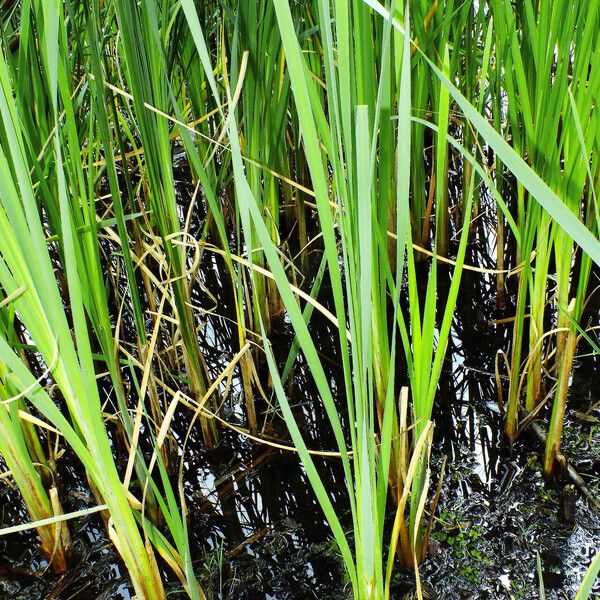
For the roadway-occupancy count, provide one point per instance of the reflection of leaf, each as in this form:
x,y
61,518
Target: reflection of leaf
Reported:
x,y
586,418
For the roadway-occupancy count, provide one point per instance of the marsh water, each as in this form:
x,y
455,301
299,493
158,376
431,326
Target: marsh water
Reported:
x,y
257,531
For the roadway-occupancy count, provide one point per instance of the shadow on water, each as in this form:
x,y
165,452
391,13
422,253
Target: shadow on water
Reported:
x,y
255,526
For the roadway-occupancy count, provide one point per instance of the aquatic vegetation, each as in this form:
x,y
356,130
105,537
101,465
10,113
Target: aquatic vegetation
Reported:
x,y
551,84
585,590
343,156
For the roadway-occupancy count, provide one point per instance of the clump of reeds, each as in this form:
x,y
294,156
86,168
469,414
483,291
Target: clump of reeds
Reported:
x,y
325,126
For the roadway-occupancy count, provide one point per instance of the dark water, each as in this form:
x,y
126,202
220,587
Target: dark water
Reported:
x,y
257,531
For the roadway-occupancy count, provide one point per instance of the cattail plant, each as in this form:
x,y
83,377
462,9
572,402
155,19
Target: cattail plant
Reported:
x,y
25,466
358,133
550,84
